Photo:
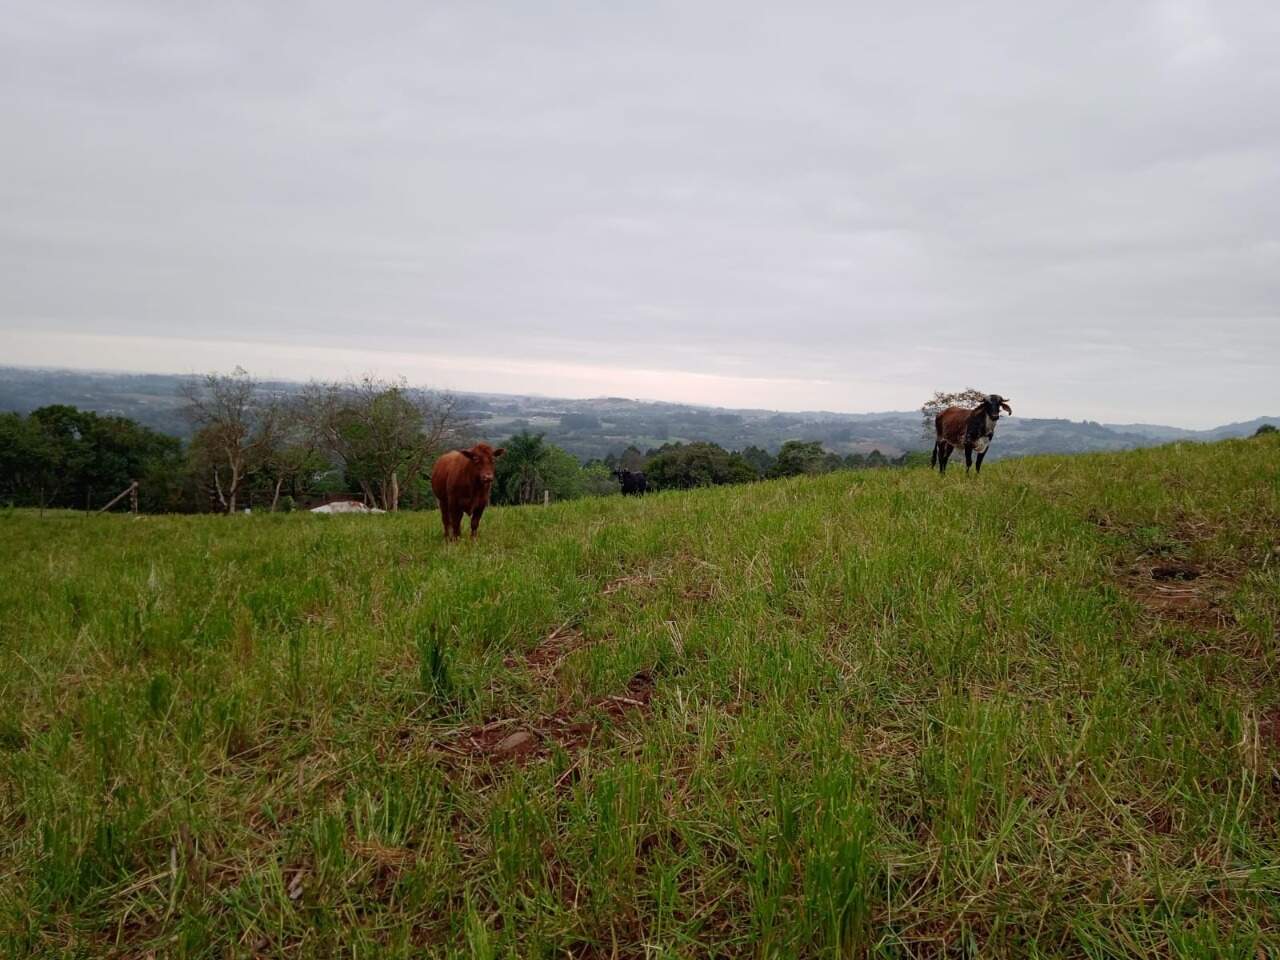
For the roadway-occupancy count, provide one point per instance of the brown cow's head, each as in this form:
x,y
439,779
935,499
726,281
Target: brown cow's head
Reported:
x,y
483,455
993,405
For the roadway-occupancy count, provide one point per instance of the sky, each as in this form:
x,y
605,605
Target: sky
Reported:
x,y
840,206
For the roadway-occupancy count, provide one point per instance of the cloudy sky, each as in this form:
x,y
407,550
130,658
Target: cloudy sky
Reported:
x,y
793,205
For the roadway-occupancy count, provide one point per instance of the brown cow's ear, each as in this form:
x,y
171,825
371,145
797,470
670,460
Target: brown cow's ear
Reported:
x,y
469,455
500,451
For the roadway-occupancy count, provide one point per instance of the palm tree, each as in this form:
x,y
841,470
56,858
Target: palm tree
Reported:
x,y
520,469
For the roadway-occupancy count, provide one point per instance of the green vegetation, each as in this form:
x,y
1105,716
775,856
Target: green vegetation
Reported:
x,y
370,440
63,457
877,712
531,468
602,428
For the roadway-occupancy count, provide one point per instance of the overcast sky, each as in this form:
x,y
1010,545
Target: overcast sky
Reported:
x,y
840,206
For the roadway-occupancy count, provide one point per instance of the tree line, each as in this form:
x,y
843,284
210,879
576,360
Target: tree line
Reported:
x,y
370,438
250,447
680,466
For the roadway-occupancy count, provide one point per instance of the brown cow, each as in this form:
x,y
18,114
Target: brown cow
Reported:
x,y
461,481
970,429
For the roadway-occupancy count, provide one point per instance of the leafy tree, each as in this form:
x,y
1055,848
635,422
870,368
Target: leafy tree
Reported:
x,y
1265,429
292,469
562,474
798,457
761,460
598,480
685,465
28,461
61,456
116,451
877,459
518,474
532,468
384,434
629,459
969,397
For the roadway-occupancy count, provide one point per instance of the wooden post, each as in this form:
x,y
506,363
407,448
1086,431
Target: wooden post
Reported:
x,y
130,491
546,498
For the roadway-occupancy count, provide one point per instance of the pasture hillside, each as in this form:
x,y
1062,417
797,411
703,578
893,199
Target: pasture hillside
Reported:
x,y
868,713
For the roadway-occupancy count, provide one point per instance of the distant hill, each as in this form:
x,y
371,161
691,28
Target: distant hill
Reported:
x,y
596,427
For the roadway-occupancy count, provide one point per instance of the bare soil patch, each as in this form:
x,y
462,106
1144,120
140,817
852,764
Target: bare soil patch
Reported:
x,y
545,658
522,739
1181,592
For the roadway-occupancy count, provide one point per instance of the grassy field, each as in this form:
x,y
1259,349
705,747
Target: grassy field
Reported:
x,y
876,713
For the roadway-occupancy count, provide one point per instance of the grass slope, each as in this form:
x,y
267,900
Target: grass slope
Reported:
x,y
1035,714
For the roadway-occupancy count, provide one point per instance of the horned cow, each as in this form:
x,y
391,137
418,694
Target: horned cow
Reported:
x,y
970,429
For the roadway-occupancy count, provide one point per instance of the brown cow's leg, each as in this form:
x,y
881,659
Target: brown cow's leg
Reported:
x,y
444,519
944,454
968,456
475,521
456,522
977,467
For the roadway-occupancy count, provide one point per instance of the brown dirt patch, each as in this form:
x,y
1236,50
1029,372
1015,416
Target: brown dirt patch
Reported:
x,y
1181,592
522,739
1175,571
545,658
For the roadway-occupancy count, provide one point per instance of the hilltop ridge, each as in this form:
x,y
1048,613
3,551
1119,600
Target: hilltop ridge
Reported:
x,y
595,427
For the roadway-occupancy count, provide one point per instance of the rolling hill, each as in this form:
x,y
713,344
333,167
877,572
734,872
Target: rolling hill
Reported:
x,y
867,713
593,428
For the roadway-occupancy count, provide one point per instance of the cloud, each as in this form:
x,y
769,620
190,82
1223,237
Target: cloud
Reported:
x,y
838,205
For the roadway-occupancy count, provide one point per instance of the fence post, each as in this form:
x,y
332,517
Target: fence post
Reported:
x,y
133,497
546,498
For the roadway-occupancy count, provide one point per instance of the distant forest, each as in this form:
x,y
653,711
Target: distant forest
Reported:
x,y
254,446
73,438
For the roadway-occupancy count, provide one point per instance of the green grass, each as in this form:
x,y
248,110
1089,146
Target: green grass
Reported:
x,y
876,713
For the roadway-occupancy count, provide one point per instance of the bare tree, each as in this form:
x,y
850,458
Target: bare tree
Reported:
x,y
969,397
234,427
384,433
291,455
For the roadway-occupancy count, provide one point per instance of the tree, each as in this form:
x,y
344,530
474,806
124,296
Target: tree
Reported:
x,y
562,474
28,461
532,468
969,397
761,460
631,459
683,465
61,456
855,461
598,480
1265,429
292,463
58,453
384,433
518,477
798,457
234,428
